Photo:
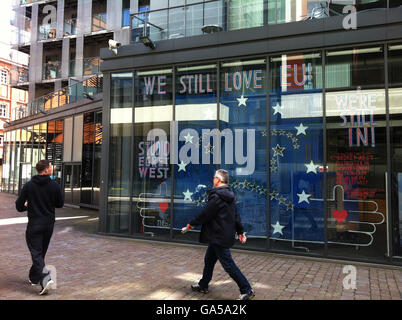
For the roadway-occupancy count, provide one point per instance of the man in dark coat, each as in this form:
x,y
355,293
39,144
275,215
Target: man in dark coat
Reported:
x,y
40,196
220,222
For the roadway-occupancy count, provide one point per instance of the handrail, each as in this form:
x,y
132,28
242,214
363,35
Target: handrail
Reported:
x,y
144,19
85,89
175,7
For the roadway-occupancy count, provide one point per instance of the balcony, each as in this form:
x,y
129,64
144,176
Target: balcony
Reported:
x,y
28,2
91,66
51,70
20,37
219,15
99,21
19,75
46,31
178,22
19,113
86,89
70,27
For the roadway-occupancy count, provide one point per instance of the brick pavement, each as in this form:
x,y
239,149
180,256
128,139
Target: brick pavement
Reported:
x,y
90,266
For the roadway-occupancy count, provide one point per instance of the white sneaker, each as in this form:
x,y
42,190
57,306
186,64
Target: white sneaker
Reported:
x,y
46,288
247,296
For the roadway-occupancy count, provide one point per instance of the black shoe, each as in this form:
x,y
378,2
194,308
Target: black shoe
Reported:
x,y
247,296
197,288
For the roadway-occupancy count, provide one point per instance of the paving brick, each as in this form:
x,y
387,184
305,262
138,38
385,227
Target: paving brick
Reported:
x,y
90,266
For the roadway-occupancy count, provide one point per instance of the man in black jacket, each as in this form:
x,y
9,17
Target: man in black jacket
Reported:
x,y
219,222
40,196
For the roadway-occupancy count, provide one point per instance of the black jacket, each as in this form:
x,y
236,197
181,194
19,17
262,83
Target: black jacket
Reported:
x,y
43,196
219,219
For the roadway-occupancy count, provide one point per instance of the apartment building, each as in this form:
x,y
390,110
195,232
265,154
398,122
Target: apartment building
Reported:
x,y
62,122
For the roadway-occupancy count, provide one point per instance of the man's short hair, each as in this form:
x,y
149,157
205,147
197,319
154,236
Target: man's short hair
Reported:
x,y
42,165
223,175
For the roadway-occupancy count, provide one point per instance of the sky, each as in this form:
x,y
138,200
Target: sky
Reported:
x,y
6,35
5,17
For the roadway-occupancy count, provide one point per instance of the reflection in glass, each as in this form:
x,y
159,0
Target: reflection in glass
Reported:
x,y
196,116
97,159
395,110
243,150
152,180
296,153
120,146
87,158
356,153
245,14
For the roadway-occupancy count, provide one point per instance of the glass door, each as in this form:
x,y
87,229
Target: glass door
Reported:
x,y
395,115
76,184
72,183
67,178
24,174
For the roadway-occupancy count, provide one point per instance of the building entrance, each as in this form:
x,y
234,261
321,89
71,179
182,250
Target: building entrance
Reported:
x,y
72,183
25,174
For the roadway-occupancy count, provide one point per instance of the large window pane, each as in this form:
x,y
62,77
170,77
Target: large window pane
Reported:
x,y
151,164
196,116
87,158
97,158
356,153
243,150
296,153
194,19
120,153
284,11
177,23
245,14
395,110
54,147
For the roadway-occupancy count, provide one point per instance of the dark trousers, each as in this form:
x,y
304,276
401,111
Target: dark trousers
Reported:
x,y
215,253
38,238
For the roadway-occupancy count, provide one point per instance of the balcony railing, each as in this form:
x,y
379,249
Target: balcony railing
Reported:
x,y
81,90
20,37
51,70
70,27
19,113
46,31
99,21
177,22
25,2
220,15
90,66
19,75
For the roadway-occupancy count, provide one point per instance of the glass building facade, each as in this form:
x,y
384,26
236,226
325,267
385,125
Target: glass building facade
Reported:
x,y
305,115
310,140
73,145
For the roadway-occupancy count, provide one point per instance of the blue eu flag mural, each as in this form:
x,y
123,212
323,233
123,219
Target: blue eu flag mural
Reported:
x,y
296,171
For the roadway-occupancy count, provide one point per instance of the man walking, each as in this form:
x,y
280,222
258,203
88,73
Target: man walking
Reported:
x,y
40,196
220,221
